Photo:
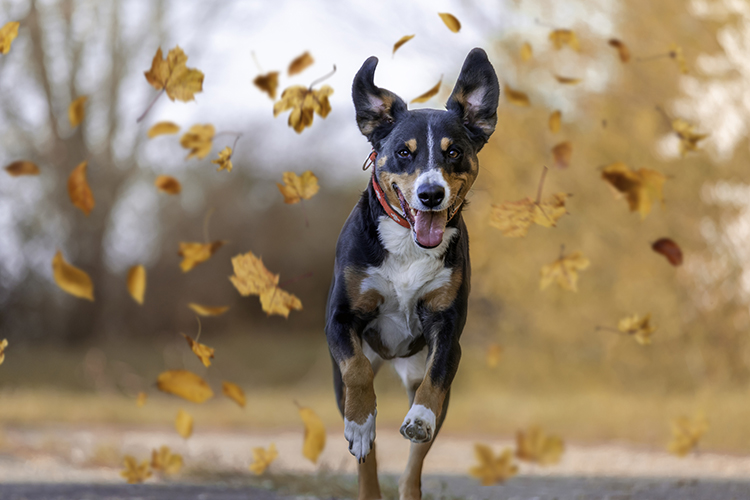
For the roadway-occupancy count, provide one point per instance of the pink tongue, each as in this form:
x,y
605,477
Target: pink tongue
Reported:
x,y
430,227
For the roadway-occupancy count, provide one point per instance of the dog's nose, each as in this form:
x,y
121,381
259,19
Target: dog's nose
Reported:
x,y
431,194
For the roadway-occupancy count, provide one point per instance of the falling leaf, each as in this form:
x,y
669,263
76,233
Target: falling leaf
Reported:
x,y
494,353
163,128
639,328
77,111
8,33
622,49
262,459
300,64
233,392
401,41
184,423
208,310
3,345
22,167
555,119
71,279
173,76
203,352
224,161
640,188
297,188
515,217
534,445
268,83
492,470
686,133
199,140
304,103
141,400
450,21
567,80
194,253
315,434
526,52
79,190
252,278
135,473
516,97
562,153
137,283
560,38
429,94
564,271
165,462
668,249
168,184
675,52
686,434
184,384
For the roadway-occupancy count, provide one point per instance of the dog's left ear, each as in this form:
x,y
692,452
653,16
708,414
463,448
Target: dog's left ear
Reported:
x,y
475,96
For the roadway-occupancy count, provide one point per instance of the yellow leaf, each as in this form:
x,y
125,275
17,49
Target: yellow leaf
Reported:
x,y
492,470
555,119
184,384
564,271
71,279
450,21
233,392
203,352
494,353
262,459
622,49
173,76
315,434
640,188
430,93
686,133
8,33
567,80
3,345
526,52
686,434
534,445
516,97
515,217
300,64
163,128
168,184
562,153
252,278
135,473
268,83
298,188
560,38
304,103
77,111
22,167
141,400
194,253
166,462
401,41
137,283
208,310
675,52
225,160
640,328
79,190
184,423
199,140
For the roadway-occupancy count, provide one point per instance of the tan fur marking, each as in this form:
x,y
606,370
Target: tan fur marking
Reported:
x,y
445,143
459,184
410,483
428,395
357,375
442,298
405,183
411,144
382,160
369,489
362,302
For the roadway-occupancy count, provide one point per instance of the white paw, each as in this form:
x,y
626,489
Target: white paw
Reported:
x,y
360,436
419,424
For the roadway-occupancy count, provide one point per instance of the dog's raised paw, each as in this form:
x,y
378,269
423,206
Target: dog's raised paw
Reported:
x,y
360,437
419,424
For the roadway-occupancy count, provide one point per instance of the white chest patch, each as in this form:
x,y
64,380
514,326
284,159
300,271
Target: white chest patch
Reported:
x,y
407,273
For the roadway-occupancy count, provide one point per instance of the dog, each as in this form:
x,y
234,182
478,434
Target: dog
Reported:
x,y
401,274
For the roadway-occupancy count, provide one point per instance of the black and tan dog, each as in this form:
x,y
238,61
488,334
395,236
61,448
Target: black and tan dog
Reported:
x,y
401,278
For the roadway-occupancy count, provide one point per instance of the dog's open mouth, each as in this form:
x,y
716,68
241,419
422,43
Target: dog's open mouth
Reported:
x,y
427,227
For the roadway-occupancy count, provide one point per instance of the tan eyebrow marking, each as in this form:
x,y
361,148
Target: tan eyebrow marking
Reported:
x,y
445,143
411,144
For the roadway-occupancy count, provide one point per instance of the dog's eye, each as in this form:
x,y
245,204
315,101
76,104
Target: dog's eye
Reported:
x,y
403,153
454,153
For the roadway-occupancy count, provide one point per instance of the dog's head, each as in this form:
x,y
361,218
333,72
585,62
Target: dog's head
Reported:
x,y
427,158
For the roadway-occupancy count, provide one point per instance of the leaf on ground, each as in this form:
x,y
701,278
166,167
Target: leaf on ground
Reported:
x,y
137,283
564,271
640,188
514,218
141,399
562,154
315,434
304,103
526,52
686,434
203,352
516,97
561,38
675,52
450,21
199,140
79,190
22,167
173,76
492,470
494,354
193,253
184,384
555,121
300,63
183,423
262,458
622,49
268,83
234,392
77,111
686,133
534,445
134,472
163,128
297,188
165,462
401,41
566,80
168,184
8,33
70,279
669,249
208,310
252,278
3,345
640,328
429,94
224,161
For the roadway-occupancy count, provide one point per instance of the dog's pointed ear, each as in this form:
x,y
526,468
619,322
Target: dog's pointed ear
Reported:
x,y
475,96
377,109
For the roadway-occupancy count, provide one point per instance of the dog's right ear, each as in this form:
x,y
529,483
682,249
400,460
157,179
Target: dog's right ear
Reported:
x,y
377,109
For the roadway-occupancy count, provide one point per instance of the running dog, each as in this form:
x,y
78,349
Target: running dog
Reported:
x,y
401,276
